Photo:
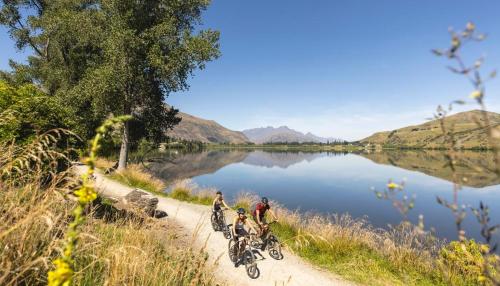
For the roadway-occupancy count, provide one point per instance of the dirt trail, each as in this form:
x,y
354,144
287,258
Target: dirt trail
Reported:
x,y
292,270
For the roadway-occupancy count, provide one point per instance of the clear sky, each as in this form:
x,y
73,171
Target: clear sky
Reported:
x,y
335,68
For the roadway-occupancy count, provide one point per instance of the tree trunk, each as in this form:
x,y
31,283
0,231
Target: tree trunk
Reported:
x,y
122,163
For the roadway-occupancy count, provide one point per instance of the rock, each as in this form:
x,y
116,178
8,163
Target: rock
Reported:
x,y
160,214
142,200
108,171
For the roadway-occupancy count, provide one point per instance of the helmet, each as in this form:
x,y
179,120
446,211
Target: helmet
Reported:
x,y
265,200
241,211
218,193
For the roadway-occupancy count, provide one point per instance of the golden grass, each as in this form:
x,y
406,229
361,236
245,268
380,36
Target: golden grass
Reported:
x,y
187,190
352,248
131,253
35,209
136,176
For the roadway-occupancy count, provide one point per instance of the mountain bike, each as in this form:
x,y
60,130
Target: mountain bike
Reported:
x,y
220,223
242,250
268,241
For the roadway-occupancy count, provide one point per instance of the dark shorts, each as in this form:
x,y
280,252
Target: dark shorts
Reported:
x,y
217,207
262,219
240,232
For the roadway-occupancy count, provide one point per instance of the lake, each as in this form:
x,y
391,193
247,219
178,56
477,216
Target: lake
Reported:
x,y
333,182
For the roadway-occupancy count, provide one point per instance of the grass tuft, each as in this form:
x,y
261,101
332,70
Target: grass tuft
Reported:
x,y
136,176
187,190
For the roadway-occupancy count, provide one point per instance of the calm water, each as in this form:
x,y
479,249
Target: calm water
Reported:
x,y
341,182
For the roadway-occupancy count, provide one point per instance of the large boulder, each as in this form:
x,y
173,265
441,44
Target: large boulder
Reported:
x,y
142,200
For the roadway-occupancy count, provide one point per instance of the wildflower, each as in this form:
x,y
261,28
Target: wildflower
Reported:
x,y
61,276
476,94
392,185
86,194
470,26
484,248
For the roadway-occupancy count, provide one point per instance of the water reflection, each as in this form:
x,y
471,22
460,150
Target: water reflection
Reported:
x,y
476,169
329,182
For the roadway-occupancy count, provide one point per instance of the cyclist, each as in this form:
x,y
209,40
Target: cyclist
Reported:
x,y
239,224
218,203
259,213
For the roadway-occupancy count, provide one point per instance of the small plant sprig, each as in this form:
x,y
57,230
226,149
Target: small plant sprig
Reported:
x,y
491,260
64,266
403,205
473,74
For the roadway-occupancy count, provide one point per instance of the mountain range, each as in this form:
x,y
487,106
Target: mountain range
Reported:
x,y
193,128
427,135
282,134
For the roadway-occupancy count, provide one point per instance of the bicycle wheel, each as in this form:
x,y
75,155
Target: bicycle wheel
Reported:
x,y
232,249
255,242
250,264
274,248
215,224
227,232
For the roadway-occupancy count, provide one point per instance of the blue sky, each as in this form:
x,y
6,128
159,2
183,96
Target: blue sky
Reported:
x,y
335,68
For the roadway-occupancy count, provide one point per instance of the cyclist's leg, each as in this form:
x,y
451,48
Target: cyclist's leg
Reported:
x,y
216,212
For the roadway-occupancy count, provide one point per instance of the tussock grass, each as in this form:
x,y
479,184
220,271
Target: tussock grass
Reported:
x,y
136,176
245,200
131,253
352,248
35,208
187,190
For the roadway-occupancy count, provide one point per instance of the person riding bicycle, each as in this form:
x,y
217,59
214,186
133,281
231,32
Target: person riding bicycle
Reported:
x,y
218,203
239,223
259,213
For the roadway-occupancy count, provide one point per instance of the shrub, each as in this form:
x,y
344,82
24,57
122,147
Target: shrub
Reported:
x,y
465,259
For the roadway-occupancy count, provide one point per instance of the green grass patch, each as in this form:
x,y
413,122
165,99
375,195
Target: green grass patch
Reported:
x,y
353,261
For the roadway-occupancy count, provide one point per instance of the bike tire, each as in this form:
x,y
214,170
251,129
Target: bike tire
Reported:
x,y
215,224
250,264
274,248
232,251
227,232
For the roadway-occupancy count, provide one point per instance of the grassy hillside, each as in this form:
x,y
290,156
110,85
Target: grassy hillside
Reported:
x,y
429,135
208,131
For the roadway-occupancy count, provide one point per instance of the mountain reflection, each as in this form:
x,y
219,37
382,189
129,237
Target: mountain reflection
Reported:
x,y
474,168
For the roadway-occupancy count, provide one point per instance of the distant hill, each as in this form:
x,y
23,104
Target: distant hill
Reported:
x,y
208,131
281,135
429,135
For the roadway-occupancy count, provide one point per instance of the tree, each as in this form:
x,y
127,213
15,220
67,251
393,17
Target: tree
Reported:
x,y
26,111
122,57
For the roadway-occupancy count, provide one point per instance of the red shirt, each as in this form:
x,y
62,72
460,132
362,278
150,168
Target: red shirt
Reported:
x,y
262,208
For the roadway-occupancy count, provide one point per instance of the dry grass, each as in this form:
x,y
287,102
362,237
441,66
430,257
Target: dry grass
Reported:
x,y
352,248
187,190
35,209
131,253
136,176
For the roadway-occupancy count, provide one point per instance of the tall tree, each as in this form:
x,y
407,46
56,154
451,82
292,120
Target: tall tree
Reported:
x,y
113,56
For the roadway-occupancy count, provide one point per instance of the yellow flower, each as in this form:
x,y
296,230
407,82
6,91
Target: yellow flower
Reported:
x,y
86,194
61,276
484,248
476,94
470,26
392,185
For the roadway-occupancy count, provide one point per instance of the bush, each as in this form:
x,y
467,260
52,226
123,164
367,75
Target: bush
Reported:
x,y
29,112
465,259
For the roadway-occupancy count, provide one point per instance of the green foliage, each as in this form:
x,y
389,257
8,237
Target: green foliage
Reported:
x,y
30,112
111,56
466,260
